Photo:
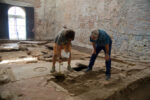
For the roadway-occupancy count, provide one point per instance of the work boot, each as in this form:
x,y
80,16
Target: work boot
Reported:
x,y
108,77
53,69
88,70
69,68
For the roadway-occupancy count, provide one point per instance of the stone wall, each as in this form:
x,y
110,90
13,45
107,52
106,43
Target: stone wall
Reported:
x,y
127,22
45,20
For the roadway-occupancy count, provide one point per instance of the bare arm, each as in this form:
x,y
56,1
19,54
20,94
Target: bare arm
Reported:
x,y
57,53
107,48
107,52
69,60
94,47
58,50
69,50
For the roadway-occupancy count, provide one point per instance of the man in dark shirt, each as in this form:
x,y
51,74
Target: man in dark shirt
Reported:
x,y
101,41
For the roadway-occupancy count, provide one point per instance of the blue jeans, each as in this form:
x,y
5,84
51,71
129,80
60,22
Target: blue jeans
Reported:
x,y
107,63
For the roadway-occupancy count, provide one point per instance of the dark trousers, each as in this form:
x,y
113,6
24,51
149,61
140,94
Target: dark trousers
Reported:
x,y
107,63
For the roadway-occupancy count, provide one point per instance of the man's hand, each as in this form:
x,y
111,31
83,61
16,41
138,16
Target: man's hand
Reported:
x,y
94,48
107,57
94,51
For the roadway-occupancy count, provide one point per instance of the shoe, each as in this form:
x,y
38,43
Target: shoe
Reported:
x,y
88,70
69,68
53,69
108,77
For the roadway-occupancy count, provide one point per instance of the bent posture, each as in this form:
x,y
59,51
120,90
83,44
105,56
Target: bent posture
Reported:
x,y
63,42
101,41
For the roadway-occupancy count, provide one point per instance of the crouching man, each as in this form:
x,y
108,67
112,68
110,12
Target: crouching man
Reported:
x,y
63,42
101,41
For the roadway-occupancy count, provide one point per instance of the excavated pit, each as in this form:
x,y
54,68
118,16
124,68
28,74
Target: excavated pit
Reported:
x,y
80,67
79,82
59,77
122,86
130,80
138,90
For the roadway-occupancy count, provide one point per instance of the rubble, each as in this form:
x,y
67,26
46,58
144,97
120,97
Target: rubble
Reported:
x,y
4,77
34,42
6,95
9,47
9,95
125,70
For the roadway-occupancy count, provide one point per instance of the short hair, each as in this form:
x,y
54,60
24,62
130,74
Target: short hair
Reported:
x,y
70,34
94,32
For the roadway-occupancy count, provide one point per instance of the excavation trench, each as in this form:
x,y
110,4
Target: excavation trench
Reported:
x,y
93,81
138,90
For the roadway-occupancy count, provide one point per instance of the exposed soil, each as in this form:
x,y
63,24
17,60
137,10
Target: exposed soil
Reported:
x,y
138,90
129,81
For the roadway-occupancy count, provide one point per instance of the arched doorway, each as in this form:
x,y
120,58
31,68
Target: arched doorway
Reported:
x,y
17,23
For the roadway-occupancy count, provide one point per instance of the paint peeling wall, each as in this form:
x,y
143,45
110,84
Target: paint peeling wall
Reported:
x,y
45,20
127,22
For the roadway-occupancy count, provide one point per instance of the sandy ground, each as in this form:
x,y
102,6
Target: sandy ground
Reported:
x,y
31,79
